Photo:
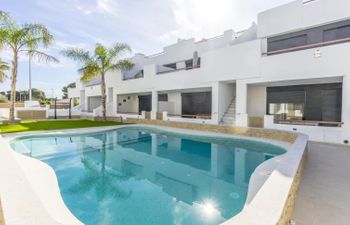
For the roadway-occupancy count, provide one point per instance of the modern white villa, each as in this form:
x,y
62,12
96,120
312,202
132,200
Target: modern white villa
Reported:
x,y
289,71
246,128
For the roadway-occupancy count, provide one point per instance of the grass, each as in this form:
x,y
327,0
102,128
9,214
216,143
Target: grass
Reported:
x,y
32,125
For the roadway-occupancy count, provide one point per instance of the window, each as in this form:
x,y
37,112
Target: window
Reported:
x,y
319,102
162,97
189,64
197,103
336,33
286,43
287,111
171,66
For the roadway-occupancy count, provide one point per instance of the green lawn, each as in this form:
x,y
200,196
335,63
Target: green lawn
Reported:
x,y
33,125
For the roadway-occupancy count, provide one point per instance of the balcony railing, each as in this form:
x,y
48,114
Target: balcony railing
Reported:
x,y
136,76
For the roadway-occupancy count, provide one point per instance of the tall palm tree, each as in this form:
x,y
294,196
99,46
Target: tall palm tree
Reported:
x,y
3,67
24,39
98,63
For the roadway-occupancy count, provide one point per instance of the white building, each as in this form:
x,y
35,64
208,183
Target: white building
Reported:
x,y
291,71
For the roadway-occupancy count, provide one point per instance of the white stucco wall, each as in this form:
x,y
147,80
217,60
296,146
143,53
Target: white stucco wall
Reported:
x,y
131,105
227,93
175,99
256,100
93,103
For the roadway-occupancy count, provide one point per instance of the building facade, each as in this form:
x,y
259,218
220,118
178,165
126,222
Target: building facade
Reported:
x,y
289,71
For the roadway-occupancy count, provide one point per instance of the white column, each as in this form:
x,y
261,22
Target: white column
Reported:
x,y
154,105
165,116
215,103
115,104
241,104
346,108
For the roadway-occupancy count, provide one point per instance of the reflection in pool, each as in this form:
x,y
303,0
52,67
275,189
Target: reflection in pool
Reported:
x,y
138,175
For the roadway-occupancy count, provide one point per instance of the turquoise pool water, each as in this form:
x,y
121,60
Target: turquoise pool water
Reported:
x,y
146,176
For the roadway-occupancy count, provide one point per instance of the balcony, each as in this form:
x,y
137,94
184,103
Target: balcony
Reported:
x,y
330,34
179,66
138,75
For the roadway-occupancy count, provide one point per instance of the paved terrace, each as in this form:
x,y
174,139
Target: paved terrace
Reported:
x,y
324,193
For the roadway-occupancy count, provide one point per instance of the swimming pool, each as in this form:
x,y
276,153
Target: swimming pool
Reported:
x,y
140,175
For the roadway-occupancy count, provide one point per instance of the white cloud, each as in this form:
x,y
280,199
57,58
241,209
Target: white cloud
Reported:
x,y
208,18
200,18
109,7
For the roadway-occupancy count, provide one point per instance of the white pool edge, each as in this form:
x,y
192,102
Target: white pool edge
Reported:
x,y
267,194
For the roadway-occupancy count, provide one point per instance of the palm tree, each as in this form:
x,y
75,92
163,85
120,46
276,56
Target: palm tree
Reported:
x,y
3,67
23,39
98,63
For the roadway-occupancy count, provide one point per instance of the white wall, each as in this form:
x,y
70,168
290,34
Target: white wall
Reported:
x,y
256,100
175,99
315,133
303,65
296,15
94,90
166,107
93,103
226,94
73,92
131,105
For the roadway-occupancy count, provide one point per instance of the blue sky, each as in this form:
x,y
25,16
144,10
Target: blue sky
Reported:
x,y
146,25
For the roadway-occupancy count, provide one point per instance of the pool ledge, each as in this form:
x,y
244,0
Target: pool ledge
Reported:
x,y
272,188
29,187
29,191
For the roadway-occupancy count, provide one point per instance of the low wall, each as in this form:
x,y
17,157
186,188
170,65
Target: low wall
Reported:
x,y
256,122
63,117
31,114
290,204
337,135
251,132
7,105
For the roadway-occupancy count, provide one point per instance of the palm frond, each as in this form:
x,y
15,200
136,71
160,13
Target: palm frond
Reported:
x,y
38,34
122,65
77,54
2,76
3,67
5,19
101,55
118,50
43,57
89,71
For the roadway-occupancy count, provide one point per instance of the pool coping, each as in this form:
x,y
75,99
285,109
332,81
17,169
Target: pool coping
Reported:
x,y
260,207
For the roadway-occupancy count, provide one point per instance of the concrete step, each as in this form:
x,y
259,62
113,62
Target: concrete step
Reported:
x,y
228,120
231,111
229,116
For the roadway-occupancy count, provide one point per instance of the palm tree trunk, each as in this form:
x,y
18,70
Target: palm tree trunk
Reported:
x,y
13,87
103,96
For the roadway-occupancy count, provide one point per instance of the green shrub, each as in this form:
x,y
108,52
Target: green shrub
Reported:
x,y
45,101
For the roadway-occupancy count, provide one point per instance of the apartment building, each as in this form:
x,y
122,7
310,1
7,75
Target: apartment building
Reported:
x,y
289,71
